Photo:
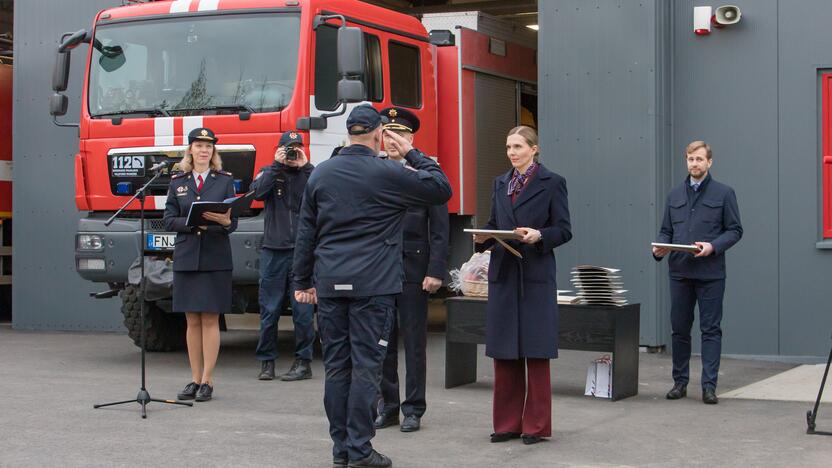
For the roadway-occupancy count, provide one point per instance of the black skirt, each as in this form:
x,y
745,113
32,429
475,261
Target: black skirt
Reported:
x,y
202,291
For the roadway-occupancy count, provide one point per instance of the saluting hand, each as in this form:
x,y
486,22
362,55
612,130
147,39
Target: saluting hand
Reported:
x,y
223,219
306,296
398,142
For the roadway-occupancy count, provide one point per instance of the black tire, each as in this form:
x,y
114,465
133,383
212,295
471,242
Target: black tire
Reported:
x,y
163,331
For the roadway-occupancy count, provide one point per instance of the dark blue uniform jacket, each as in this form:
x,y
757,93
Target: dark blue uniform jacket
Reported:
x,y
280,187
425,243
709,215
350,225
195,249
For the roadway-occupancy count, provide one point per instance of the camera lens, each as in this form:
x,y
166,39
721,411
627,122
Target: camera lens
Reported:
x,y
291,154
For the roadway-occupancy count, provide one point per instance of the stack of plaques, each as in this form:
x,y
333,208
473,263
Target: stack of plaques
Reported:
x,y
598,285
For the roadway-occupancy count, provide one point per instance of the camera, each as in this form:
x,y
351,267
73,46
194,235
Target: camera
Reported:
x,y
291,154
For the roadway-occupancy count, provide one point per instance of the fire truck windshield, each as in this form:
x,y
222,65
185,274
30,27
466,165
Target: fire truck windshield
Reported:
x,y
200,65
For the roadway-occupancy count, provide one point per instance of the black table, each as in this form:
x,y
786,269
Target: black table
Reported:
x,y
581,327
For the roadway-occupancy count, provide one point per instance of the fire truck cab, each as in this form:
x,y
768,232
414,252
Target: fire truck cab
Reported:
x,y
249,70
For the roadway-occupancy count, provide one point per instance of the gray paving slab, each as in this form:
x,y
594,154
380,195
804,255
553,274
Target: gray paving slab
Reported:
x,y
49,382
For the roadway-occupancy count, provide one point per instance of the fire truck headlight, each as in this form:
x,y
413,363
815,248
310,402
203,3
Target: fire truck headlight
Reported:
x,y
89,242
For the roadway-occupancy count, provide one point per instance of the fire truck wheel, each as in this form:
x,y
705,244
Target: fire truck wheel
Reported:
x,y
163,331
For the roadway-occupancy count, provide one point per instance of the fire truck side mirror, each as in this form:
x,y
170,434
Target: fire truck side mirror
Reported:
x,y
350,51
58,104
351,90
60,72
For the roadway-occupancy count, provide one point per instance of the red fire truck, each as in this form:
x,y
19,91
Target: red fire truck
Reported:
x,y
249,70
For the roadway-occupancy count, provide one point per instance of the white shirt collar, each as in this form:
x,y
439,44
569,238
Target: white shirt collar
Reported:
x,y
203,174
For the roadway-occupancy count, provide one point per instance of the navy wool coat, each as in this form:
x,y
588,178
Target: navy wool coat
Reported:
x,y
522,310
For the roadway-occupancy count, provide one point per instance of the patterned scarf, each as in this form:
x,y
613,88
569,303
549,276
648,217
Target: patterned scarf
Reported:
x,y
518,180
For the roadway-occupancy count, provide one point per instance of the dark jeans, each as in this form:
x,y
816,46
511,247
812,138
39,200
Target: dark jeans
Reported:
x,y
275,281
354,332
411,324
684,295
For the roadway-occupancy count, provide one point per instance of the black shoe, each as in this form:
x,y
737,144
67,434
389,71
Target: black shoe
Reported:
x,y
339,462
374,460
300,370
411,423
386,420
266,370
678,391
709,396
204,393
189,392
504,436
531,439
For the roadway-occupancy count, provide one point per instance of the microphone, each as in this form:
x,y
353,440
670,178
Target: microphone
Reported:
x,y
159,166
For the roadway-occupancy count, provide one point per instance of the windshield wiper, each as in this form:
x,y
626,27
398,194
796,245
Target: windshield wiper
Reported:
x,y
148,111
228,107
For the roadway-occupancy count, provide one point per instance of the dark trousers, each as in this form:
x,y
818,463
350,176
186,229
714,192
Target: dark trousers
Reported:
x,y
354,332
684,295
521,405
411,323
275,281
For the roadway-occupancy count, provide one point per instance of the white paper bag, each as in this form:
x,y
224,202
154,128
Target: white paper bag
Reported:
x,y
599,378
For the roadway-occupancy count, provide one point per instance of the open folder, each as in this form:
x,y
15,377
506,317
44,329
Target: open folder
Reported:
x,y
499,236
236,204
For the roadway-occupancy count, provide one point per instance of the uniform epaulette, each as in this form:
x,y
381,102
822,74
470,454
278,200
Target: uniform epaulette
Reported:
x,y
225,173
177,175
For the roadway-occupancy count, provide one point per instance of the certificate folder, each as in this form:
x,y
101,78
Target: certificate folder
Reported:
x,y
236,204
678,247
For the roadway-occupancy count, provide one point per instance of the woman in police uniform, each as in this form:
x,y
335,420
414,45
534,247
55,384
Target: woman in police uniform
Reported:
x,y
202,257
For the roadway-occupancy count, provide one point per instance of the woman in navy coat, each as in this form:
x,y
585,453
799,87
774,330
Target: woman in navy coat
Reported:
x,y
201,257
522,311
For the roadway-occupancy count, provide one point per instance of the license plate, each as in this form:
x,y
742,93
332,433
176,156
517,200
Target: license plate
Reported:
x,y
160,241
127,166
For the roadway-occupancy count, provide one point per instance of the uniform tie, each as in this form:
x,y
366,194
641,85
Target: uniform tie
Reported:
x,y
199,185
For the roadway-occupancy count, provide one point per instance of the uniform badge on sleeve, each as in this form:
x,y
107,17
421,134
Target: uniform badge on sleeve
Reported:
x,y
181,190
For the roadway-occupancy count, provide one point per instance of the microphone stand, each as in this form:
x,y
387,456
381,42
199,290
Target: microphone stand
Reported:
x,y
813,414
143,398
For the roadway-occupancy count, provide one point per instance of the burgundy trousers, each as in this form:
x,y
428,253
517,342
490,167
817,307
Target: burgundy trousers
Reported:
x,y
519,406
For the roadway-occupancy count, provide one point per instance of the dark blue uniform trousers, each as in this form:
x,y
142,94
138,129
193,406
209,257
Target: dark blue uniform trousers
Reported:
x,y
355,333
275,281
684,295
411,323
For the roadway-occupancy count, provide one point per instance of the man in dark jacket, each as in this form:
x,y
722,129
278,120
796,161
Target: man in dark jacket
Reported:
x,y
348,258
425,247
280,186
703,212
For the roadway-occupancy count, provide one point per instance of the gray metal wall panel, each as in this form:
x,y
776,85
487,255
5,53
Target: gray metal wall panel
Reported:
x,y
805,320
599,124
725,92
496,107
47,293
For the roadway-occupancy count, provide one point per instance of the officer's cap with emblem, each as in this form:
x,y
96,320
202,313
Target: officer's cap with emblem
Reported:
x,y
290,138
202,134
400,119
364,119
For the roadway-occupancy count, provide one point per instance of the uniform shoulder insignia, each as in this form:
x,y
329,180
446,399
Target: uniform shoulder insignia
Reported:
x,y
225,173
178,175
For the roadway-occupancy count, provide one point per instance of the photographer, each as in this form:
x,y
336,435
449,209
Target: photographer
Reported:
x,y
280,186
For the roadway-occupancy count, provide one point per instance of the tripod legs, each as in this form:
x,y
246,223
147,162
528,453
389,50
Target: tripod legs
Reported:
x,y
813,414
143,398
